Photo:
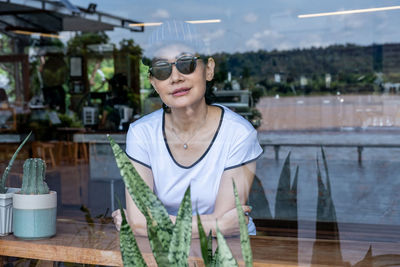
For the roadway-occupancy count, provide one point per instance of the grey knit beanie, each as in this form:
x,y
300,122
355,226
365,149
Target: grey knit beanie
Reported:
x,y
174,32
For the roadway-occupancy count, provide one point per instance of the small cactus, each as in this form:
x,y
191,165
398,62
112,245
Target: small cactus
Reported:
x,y
3,188
33,178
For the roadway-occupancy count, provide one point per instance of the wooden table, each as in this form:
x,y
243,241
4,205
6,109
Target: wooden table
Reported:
x,y
98,244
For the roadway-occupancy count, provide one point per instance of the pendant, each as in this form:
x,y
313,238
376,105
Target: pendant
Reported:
x,y
185,146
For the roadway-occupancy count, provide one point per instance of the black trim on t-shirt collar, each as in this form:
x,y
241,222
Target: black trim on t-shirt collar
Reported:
x,y
244,163
205,153
138,161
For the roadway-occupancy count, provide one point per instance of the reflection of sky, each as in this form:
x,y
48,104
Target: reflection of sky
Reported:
x,y
269,25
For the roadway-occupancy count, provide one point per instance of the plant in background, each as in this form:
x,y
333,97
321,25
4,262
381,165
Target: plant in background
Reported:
x,y
3,188
170,243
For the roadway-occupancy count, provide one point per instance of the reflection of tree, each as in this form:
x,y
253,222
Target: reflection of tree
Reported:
x,y
259,201
286,196
286,200
327,246
326,213
379,260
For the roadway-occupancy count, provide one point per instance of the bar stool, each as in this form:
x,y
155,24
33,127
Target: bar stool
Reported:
x,y
44,150
80,153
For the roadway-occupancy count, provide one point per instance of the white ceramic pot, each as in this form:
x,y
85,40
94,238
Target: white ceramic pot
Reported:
x,y
34,215
6,205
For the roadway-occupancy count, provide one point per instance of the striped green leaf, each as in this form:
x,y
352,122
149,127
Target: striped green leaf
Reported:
x,y
182,233
159,251
210,247
144,198
214,260
224,257
205,243
131,255
244,233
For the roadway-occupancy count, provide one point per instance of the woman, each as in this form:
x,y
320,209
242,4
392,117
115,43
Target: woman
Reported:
x,y
189,141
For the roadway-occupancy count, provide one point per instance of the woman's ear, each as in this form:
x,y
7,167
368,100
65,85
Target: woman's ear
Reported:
x,y
210,69
152,83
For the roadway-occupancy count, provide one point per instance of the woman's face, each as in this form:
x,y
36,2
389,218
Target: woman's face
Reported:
x,y
182,90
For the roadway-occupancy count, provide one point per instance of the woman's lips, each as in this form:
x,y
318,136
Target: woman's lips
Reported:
x,y
180,91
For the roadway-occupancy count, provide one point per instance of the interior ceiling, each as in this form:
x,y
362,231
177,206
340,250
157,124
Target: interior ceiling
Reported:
x,y
53,16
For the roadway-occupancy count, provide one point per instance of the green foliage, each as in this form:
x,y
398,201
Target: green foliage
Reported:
x,y
170,243
33,177
70,120
3,188
106,65
131,255
77,43
205,243
224,255
244,234
144,76
5,44
182,234
128,45
348,65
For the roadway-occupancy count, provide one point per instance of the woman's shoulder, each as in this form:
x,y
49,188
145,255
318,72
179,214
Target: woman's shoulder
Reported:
x,y
234,121
149,120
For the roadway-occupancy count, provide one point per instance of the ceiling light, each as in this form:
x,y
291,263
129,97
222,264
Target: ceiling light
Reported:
x,y
204,21
149,24
347,12
37,33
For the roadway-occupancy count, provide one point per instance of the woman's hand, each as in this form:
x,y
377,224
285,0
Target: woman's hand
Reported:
x,y
117,218
229,222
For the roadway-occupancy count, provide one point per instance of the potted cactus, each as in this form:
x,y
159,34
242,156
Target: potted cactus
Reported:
x,y
35,206
6,195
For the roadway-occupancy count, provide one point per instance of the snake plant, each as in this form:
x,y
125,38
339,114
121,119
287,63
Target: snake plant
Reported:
x,y
170,243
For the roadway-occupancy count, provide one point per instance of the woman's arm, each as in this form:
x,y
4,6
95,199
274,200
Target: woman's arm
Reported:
x,y
225,209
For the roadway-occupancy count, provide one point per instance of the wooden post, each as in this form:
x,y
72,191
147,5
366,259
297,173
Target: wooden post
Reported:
x,y
276,148
359,150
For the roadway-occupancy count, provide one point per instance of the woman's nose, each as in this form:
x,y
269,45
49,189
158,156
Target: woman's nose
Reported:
x,y
175,74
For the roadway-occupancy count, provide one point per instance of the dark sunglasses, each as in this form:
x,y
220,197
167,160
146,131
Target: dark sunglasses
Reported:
x,y
162,69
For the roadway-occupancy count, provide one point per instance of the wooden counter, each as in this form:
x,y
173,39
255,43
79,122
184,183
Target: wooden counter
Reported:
x,y
98,244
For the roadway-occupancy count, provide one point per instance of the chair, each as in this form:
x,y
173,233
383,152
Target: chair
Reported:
x,y
45,151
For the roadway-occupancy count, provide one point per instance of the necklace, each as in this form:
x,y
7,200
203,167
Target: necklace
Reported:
x,y
185,143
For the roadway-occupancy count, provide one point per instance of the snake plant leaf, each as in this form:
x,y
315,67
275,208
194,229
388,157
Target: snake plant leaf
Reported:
x,y
182,233
204,243
144,198
224,257
244,233
131,255
214,261
160,252
210,247
3,188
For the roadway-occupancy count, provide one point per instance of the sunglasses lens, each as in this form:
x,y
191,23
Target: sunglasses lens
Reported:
x,y
186,65
161,70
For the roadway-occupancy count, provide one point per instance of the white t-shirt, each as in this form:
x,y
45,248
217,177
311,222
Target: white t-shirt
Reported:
x,y
234,144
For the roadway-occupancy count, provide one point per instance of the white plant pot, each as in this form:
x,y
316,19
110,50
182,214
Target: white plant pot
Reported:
x,y
6,206
34,215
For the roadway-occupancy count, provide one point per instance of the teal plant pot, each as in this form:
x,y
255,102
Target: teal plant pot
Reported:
x,y
6,205
34,216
